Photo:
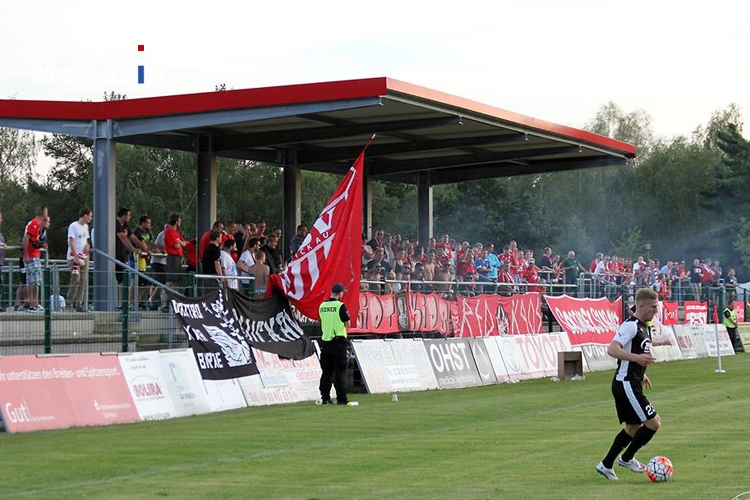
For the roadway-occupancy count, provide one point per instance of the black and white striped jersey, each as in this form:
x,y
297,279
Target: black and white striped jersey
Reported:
x,y
635,336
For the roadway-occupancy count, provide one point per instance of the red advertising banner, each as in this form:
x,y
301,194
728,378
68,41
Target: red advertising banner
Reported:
x,y
428,313
454,318
477,316
696,313
739,310
587,321
668,313
377,314
520,314
55,392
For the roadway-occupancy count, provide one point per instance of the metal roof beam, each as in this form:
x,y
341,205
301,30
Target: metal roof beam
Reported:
x,y
76,128
141,126
381,168
177,142
321,133
502,169
327,154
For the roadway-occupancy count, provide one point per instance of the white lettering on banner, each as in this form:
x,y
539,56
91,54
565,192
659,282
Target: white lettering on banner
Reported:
x,y
444,354
192,311
194,334
527,311
313,253
467,312
18,414
209,360
290,330
292,279
582,321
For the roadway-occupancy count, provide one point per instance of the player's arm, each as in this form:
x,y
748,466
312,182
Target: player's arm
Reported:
x,y
617,351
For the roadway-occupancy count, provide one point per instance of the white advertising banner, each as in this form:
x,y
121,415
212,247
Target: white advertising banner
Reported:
x,y
664,343
699,342
531,356
482,360
224,395
710,333
184,383
145,379
410,369
685,341
512,358
498,365
597,358
281,380
372,357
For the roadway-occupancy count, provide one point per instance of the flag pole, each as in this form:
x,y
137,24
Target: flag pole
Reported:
x,y
716,334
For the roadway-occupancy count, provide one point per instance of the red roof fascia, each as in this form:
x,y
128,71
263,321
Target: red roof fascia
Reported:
x,y
509,116
279,96
194,103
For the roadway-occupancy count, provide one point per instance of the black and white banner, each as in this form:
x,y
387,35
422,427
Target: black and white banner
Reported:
x,y
269,325
222,328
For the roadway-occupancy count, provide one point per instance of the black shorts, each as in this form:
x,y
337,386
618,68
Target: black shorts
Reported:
x,y
632,406
174,268
120,273
160,272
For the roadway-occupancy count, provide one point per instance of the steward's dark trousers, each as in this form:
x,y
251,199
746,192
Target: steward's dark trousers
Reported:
x,y
333,363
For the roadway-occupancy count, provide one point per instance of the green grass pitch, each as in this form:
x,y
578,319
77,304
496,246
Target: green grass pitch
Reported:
x,y
532,440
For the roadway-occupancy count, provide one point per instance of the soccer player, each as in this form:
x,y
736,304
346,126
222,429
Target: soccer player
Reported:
x,y
632,348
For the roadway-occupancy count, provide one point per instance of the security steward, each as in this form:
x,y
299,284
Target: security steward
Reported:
x,y
334,320
730,321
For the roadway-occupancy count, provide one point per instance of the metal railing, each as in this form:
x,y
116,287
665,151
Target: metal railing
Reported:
x,y
148,324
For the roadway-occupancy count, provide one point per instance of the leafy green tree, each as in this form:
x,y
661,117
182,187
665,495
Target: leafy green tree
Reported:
x,y
630,244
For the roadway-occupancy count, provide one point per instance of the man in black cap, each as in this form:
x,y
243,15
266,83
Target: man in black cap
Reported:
x,y
334,320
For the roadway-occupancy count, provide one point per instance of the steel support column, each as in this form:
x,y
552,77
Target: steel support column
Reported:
x,y
292,216
208,176
424,204
105,285
366,202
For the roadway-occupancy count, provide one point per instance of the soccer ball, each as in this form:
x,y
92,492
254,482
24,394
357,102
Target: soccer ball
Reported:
x,y
659,469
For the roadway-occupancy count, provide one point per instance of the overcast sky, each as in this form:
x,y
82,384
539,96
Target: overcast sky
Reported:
x,y
554,60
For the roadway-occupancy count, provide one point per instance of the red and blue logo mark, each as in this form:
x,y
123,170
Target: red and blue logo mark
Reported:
x,y
141,73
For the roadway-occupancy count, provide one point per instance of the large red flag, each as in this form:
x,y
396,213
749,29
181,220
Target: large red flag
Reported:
x,y
331,252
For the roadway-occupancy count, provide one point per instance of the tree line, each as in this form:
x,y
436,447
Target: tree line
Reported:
x,y
685,197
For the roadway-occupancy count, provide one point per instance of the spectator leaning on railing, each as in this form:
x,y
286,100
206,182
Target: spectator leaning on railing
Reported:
x,y
78,259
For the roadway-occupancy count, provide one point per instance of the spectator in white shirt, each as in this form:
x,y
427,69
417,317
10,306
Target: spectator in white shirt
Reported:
x,y
78,259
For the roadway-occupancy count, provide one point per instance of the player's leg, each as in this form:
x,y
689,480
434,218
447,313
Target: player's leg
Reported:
x,y
651,423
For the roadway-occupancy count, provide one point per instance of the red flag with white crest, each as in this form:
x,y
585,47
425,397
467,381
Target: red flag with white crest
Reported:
x,y
331,252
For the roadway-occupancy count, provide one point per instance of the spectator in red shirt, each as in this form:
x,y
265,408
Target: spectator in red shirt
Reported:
x,y
191,255
174,245
531,276
33,242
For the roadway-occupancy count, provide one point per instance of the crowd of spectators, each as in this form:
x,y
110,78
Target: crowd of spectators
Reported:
x,y
391,262
230,253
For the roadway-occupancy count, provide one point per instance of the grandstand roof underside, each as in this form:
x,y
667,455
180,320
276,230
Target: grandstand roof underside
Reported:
x,y
325,125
